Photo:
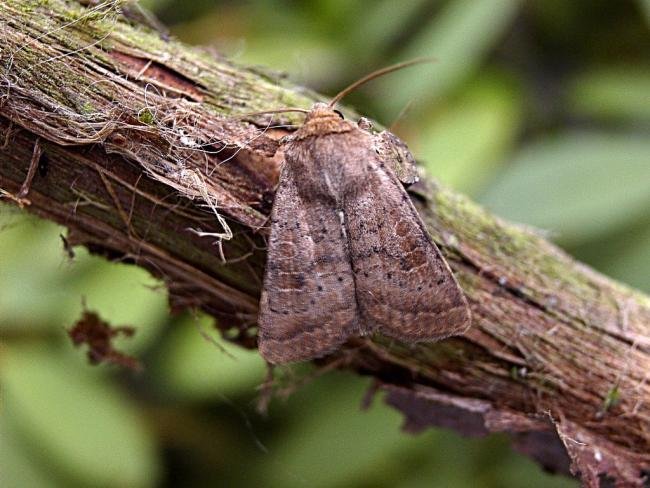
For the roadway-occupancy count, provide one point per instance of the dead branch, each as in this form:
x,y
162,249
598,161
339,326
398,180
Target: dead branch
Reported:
x,y
132,142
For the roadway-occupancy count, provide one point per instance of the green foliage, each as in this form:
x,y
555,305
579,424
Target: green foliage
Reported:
x,y
583,185
536,108
46,403
465,142
193,363
617,93
459,37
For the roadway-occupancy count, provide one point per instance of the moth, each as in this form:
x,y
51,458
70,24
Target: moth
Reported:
x,y
348,254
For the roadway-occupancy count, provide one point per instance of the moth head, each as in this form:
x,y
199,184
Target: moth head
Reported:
x,y
323,111
323,119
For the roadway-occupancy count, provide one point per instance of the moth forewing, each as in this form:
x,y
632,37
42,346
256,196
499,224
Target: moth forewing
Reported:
x,y
308,307
348,252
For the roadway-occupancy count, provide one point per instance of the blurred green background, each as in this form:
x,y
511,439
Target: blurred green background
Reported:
x,y
540,110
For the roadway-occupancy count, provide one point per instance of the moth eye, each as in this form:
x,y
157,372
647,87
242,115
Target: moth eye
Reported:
x,y
364,124
339,113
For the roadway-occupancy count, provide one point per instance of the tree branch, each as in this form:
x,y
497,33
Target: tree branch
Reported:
x,y
131,141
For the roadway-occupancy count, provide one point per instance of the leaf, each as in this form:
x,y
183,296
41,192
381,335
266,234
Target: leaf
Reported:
x,y
42,288
580,186
624,256
190,366
612,92
77,422
333,443
381,25
459,37
33,264
453,460
467,142
18,467
632,265
123,295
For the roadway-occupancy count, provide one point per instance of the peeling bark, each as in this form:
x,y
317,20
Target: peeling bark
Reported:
x,y
132,141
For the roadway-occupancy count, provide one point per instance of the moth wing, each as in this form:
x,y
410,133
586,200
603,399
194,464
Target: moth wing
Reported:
x,y
394,152
308,305
405,288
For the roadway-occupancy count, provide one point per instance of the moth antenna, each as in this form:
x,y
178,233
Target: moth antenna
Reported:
x,y
377,74
276,111
400,116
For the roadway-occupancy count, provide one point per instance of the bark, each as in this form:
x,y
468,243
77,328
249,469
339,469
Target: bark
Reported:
x,y
131,140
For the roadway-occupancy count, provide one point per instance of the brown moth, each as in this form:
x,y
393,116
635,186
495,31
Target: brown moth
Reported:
x,y
348,254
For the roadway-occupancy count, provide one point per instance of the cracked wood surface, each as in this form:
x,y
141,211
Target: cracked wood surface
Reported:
x,y
132,142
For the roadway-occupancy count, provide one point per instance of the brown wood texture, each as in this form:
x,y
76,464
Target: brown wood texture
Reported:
x,y
132,141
